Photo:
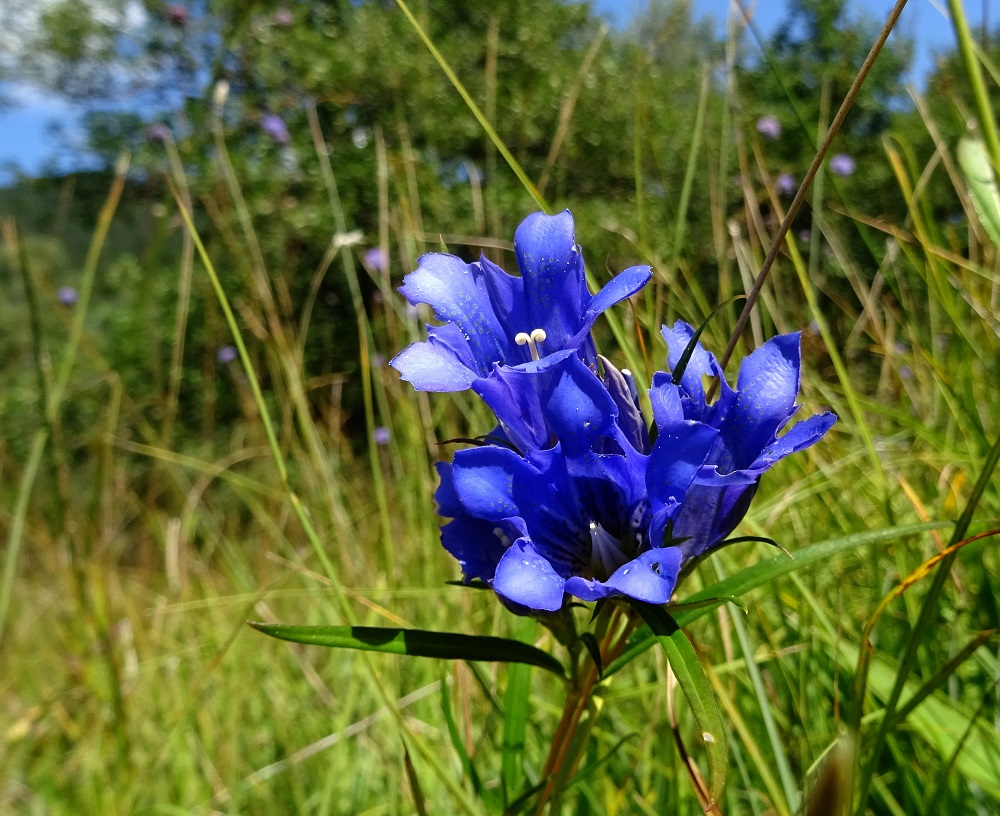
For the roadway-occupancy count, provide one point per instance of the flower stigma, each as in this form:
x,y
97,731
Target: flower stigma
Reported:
x,y
531,340
605,550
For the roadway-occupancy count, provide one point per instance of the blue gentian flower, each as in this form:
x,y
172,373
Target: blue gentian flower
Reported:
x,y
492,318
748,420
571,507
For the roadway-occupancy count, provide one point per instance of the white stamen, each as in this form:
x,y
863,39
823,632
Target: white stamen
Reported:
x,y
605,552
531,340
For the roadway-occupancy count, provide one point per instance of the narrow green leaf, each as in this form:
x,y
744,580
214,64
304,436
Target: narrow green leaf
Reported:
x,y
983,191
697,690
685,357
515,717
468,766
592,646
415,643
764,572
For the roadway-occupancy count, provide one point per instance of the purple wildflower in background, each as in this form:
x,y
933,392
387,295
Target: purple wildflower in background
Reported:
x,y
375,259
283,17
785,184
67,295
378,360
842,165
158,132
380,436
177,14
275,127
226,354
769,127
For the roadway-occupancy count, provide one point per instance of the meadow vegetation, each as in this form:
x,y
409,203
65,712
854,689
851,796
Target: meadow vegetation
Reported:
x,y
152,499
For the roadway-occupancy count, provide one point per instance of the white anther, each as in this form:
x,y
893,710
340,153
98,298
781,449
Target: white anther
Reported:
x,y
531,340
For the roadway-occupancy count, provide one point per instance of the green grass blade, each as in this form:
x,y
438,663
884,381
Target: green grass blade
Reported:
x,y
697,690
982,181
484,123
765,572
927,611
415,643
515,718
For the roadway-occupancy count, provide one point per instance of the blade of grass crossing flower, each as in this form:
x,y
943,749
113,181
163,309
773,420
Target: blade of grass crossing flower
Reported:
x,y
982,181
927,611
484,123
415,643
515,717
697,690
763,573
678,373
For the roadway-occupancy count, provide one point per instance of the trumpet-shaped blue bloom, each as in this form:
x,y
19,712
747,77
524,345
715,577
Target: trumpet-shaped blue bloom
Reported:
x,y
575,509
748,420
493,318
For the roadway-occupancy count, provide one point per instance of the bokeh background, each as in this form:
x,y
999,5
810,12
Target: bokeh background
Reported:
x,y
320,150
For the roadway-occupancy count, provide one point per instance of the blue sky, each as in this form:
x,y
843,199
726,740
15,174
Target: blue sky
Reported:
x,y
26,140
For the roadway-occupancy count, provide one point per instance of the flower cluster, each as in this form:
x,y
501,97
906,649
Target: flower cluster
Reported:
x,y
573,493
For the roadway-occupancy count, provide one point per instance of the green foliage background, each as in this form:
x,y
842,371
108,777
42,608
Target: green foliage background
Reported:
x,y
158,521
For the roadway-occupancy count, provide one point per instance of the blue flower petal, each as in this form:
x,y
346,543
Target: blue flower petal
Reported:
x,y
799,437
555,286
432,366
651,577
621,286
447,500
677,456
486,480
709,515
459,293
527,579
476,546
767,387
556,398
665,398
701,364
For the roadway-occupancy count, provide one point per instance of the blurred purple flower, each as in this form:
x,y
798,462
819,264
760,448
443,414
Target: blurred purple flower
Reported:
x,y
769,127
226,354
378,360
158,132
275,127
906,372
842,165
380,436
283,17
67,296
177,14
785,184
375,259
805,235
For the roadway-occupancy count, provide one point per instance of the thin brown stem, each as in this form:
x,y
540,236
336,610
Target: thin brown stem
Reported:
x,y
800,196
